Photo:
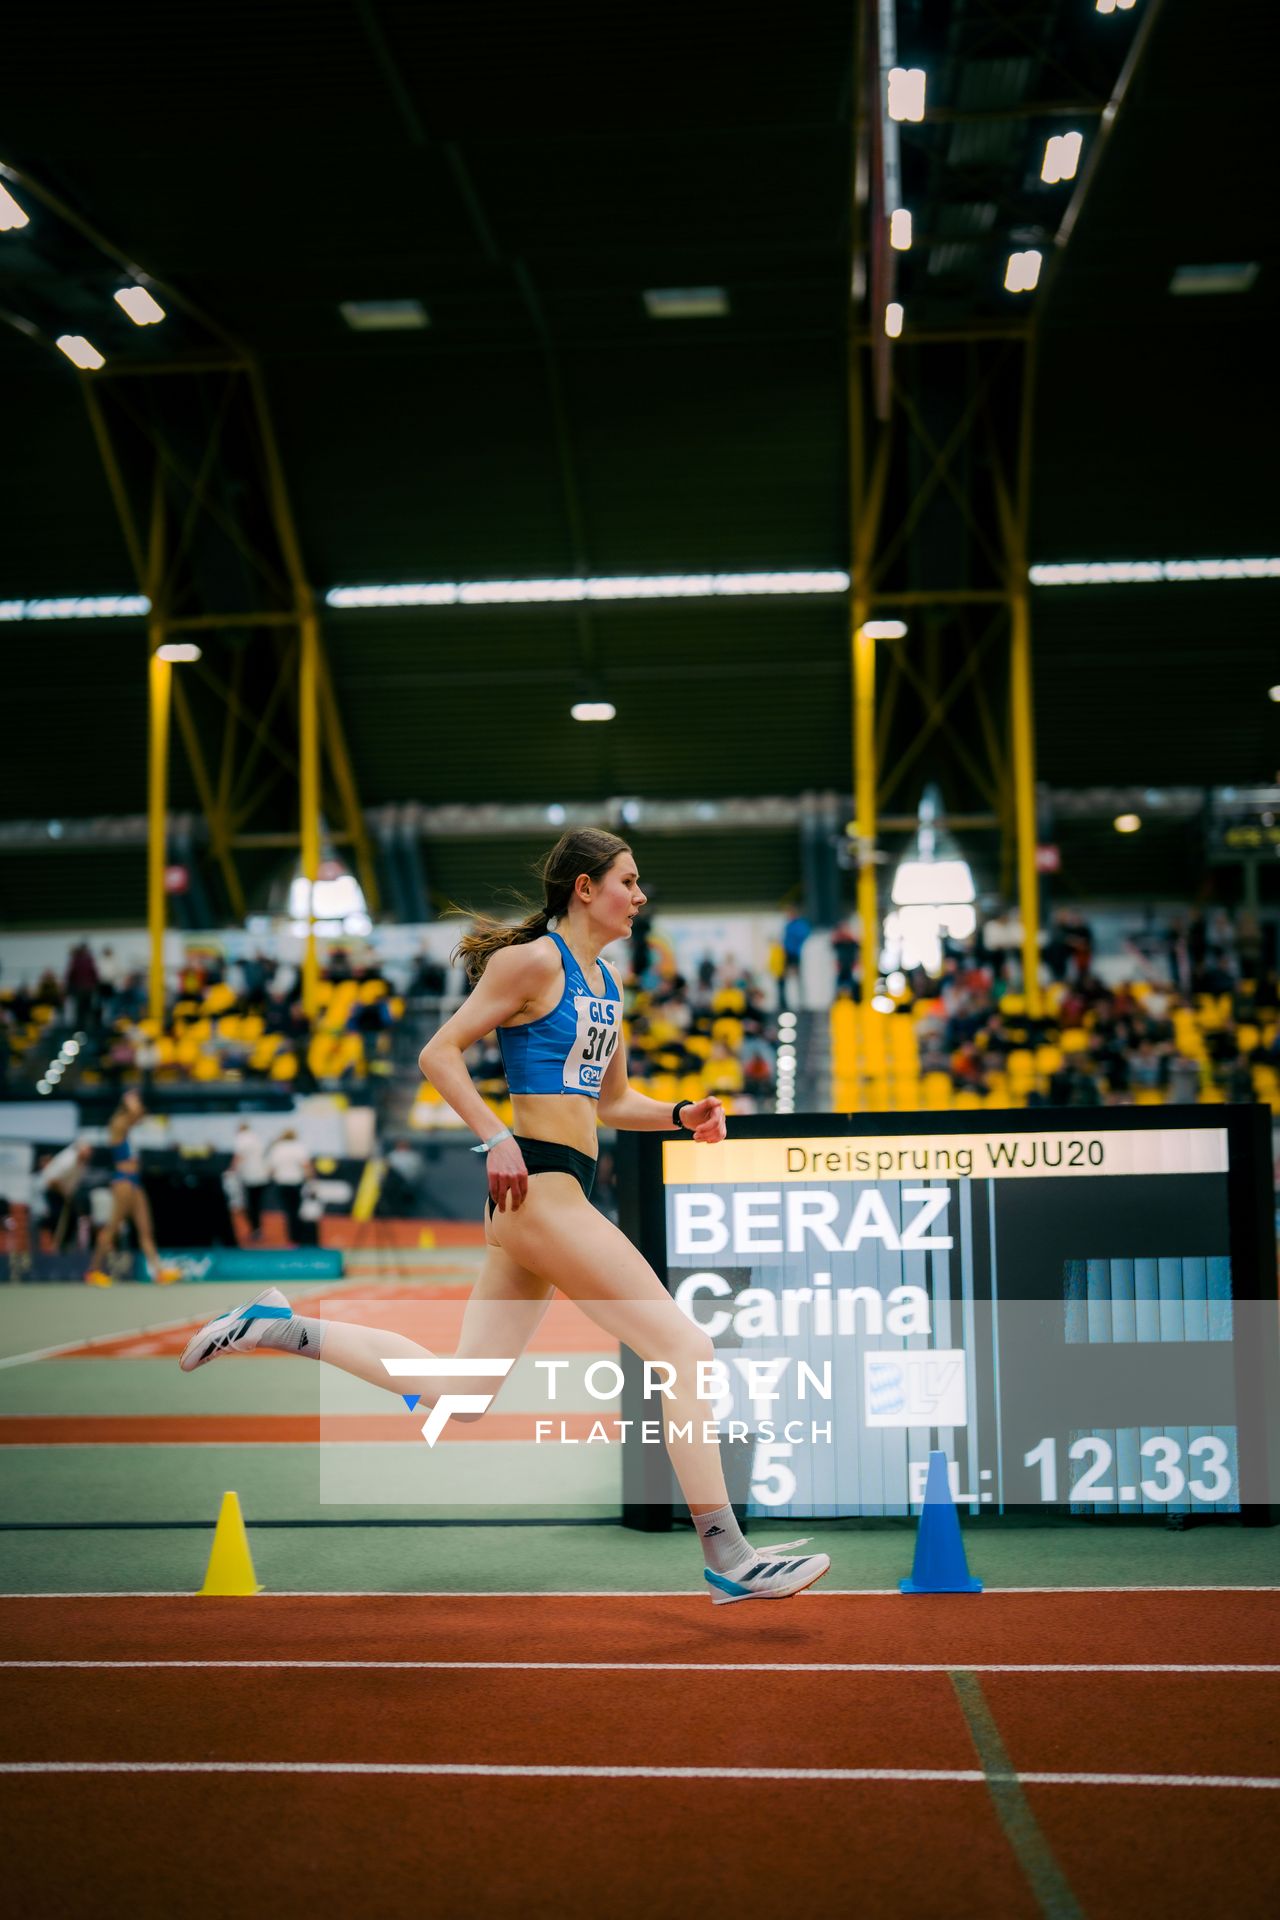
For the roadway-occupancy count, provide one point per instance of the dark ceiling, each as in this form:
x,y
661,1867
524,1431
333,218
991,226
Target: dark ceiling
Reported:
x,y
526,173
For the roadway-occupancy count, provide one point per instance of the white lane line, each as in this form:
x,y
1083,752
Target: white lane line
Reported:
x,y
126,1333
99,1340
626,1666
964,1775
545,1593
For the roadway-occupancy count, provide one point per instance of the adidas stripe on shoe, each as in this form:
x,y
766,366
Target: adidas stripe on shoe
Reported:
x,y
236,1332
769,1577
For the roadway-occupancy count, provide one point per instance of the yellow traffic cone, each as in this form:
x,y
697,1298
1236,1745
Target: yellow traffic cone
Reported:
x,y
230,1569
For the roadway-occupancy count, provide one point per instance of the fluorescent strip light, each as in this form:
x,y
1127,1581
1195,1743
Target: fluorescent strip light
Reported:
x,y
675,586
1124,573
11,214
686,303
384,316
80,351
593,710
1127,822
906,93
1023,271
893,318
900,229
1225,276
178,652
141,308
1061,157
105,606
679,586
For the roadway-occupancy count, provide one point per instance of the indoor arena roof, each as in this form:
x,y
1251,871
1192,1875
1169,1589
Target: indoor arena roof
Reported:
x,y
526,175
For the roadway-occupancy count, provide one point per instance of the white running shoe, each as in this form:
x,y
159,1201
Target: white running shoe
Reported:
x,y
236,1332
769,1577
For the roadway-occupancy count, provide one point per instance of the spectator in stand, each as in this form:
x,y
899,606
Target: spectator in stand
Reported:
x,y
108,987
82,984
249,1164
1238,1083
1146,1068
429,979
845,942
288,1163
1184,1080
795,932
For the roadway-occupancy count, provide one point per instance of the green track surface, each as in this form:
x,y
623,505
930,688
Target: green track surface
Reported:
x,y
559,1559
119,1518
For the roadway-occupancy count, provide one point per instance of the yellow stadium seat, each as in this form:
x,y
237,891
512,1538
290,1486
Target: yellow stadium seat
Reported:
x,y
284,1066
1073,1040
206,1067
218,999
968,1098
1048,1059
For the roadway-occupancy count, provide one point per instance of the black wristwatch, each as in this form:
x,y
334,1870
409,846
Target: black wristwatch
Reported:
x,y
677,1110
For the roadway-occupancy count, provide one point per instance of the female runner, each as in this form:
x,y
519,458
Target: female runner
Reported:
x,y
557,1009
128,1197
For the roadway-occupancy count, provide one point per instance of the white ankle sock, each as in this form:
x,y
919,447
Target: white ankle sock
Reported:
x,y
297,1334
722,1540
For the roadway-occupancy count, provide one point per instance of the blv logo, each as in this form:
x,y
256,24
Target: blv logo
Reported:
x,y
438,1418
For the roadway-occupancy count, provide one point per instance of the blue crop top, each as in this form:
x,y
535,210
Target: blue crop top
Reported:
x,y
568,1050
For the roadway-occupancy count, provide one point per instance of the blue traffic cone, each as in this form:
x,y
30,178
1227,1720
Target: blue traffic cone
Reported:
x,y
939,1565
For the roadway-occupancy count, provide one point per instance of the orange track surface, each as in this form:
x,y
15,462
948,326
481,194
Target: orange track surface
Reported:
x,y
959,1629
430,1314
379,1845
275,1429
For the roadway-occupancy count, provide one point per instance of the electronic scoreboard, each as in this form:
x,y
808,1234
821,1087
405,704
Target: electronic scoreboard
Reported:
x,y
1081,1312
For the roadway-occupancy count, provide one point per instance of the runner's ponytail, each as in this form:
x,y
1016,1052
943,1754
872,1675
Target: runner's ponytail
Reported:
x,y
586,850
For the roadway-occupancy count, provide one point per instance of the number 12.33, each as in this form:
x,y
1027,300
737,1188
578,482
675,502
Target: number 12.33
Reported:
x,y
1206,1474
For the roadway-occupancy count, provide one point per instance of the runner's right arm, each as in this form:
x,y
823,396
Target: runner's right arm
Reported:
x,y
513,978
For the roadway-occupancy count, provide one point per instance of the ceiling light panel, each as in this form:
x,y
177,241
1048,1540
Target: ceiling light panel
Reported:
x,y
384,316
686,303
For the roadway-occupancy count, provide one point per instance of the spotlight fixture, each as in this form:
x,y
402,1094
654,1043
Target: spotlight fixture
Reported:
x,y
81,352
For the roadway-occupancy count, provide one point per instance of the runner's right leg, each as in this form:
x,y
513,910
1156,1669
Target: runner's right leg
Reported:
x,y
501,1317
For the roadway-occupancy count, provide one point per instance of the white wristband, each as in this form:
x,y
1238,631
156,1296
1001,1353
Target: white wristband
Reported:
x,y
505,1134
